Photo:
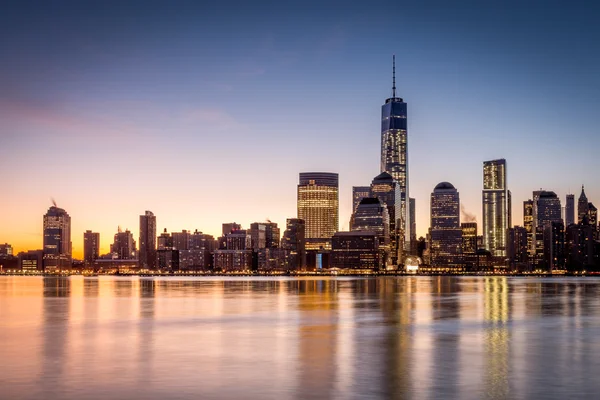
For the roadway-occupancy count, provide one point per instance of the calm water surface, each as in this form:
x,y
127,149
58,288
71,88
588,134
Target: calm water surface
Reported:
x,y
379,338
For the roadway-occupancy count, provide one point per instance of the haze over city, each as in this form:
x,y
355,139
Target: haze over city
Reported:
x,y
206,116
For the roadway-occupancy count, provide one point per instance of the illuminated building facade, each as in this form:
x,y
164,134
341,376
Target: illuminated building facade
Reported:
x,y
518,247
124,246
272,235
258,236
387,190
233,260
372,215
496,210
57,239
394,161
358,193
181,240
412,209
358,250
570,210
6,249
230,227
294,242
445,231
554,245
583,206
147,253
318,206
32,260
469,237
91,247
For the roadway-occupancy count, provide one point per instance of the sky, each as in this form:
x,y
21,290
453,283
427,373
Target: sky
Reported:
x,y
205,112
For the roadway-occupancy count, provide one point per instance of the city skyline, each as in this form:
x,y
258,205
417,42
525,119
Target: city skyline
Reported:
x,y
123,135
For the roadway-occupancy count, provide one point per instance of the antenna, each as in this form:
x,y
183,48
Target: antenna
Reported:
x,y
53,202
394,76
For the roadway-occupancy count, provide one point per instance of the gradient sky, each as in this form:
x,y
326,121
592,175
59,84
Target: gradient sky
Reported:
x,y
206,112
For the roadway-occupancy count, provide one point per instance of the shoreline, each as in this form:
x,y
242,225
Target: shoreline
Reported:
x,y
300,274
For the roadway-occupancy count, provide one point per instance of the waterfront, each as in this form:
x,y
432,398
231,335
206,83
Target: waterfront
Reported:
x,y
295,338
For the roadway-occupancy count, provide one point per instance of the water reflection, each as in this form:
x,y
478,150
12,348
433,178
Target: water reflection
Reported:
x,y
409,337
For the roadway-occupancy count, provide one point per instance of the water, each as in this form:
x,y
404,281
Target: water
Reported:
x,y
345,338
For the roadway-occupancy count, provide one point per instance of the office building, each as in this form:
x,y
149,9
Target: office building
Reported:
x,y
570,210
496,207
57,239
445,231
528,224
147,252
372,215
6,249
358,250
583,206
233,260
358,193
123,246
387,190
318,206
469,237
412,220
294,241
394,161
230,227
32,261
91,247
518,248
554,245
181,240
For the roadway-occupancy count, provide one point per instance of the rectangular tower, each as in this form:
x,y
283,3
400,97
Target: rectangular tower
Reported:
x,y
91,247
318,206
570,210
496,214
394,155
147,255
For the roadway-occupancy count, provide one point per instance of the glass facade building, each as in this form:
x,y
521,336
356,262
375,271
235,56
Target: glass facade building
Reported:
x,y
372,215
318,206
394,161
57,239
446,232
147,254
385,188
496,207
570,210
294,241
91,247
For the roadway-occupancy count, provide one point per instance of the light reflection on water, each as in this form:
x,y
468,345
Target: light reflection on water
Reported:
x,y
344,338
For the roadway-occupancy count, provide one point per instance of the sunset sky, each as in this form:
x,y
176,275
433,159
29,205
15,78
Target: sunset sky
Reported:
x,y
205,113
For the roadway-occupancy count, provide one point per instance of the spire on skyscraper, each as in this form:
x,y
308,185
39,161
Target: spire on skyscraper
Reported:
x,y
394,76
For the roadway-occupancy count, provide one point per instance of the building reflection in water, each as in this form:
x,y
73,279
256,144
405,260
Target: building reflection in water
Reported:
x,y
389,337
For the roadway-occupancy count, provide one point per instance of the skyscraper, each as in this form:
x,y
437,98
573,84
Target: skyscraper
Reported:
x,y
372,215
583,206
446,233
358,193
412,209
385,188
318,206
147,255
91,247
294,241
496,211
528,224
57,239
570,210
394,156
124,245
